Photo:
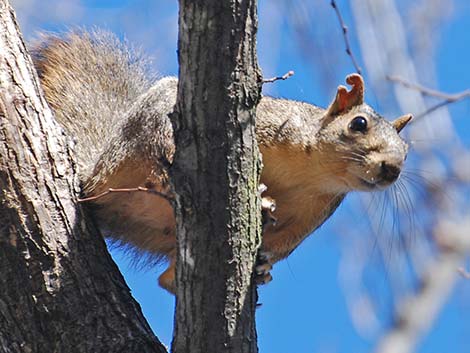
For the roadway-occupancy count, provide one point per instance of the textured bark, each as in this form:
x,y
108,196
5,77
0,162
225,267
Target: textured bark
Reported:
x,y
61,292
215,175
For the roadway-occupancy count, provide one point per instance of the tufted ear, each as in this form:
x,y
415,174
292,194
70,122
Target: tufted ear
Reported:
x,y
345,99
400,123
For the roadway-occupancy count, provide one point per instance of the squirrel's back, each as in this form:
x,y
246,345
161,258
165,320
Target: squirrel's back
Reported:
x,y
90,80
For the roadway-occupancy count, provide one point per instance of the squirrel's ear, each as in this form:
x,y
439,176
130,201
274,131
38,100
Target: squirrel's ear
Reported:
x,y
345,99
400,123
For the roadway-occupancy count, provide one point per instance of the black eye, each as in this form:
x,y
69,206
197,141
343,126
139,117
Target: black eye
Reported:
x,y
359,124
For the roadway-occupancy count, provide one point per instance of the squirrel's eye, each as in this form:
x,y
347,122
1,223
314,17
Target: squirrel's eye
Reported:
x,y
359,124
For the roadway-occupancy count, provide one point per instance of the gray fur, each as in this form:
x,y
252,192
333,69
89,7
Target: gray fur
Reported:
x,y
91,80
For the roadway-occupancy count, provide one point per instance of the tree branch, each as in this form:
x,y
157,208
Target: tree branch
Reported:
x,y
137,189
448,98
344,29
277,78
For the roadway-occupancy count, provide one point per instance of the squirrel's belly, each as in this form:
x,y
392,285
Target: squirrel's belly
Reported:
x,y
139,218
298,216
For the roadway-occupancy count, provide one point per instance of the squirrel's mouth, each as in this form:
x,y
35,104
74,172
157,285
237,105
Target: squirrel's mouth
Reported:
x,y
376,184
367,184
378,177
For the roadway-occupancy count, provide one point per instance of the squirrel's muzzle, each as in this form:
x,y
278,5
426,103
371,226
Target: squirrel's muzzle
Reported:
x,y
378,171
389,172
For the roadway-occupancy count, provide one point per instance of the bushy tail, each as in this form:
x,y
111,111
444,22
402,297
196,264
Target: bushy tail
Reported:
x,y
90,80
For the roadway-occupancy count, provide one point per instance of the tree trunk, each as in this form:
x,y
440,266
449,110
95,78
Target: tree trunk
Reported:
x,y
60,290
215,175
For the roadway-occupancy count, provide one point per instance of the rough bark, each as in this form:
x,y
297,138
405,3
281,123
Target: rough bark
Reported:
x,y
61,292
215,175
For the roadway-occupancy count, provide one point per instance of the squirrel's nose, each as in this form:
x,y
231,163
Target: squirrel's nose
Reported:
x,y
389,172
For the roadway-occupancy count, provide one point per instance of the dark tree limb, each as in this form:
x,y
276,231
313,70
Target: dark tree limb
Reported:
x,y
60,290
215,175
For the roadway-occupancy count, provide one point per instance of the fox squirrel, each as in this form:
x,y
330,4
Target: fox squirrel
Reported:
x,y
101,94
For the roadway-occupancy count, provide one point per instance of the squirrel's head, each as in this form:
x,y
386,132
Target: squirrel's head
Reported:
x,y
364,149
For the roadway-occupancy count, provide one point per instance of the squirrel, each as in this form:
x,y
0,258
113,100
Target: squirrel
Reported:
x,y
103,96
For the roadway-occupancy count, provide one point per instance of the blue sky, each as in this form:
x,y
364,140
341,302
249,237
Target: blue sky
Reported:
x,y
305,309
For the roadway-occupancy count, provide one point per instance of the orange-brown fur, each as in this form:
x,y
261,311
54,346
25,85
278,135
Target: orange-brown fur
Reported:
x,y
312,156
147,220
302,204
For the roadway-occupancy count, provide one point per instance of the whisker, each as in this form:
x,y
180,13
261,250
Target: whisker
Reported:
x,y
408,205
352,159
405,204
423,188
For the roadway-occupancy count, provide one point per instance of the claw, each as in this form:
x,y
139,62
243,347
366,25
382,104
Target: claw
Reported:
x,y
268,206
267,218
263,256
262,188
262,268
260,280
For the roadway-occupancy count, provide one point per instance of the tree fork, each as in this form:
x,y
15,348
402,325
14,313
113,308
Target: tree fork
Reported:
x,y
61,292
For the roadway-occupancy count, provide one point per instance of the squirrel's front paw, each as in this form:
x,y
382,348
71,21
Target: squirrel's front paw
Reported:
x,y
262,268
268,206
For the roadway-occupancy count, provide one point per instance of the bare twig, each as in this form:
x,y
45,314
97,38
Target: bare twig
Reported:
x,y
447,98
345,36
277,78
430,92
137,189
